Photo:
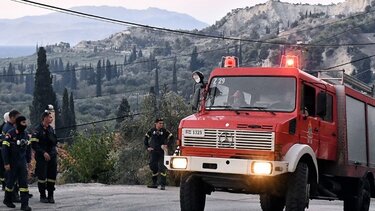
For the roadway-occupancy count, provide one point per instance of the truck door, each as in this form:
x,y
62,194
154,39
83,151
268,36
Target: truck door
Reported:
x,y
327,131
308,121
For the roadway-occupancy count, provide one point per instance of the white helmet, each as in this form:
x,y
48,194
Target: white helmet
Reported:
x,y
6,117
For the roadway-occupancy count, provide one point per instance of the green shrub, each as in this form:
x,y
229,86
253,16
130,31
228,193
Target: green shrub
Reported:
x,y
90,158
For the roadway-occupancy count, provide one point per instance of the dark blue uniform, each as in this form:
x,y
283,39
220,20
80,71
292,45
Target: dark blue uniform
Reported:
x,y
156,138
17,154
2,171
6,128
44,140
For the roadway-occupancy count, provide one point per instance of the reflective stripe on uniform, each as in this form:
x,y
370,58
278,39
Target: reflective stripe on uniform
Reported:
x,y
2,179
51,180
163,174
170,135
42,181
34,140
24,190
6,143
155,174
147,135
8,189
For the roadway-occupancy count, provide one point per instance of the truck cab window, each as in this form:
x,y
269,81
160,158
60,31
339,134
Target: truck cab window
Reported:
x,y
308,102
329,114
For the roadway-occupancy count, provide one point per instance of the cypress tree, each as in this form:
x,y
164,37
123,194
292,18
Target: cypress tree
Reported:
x,y
11,74
72,112
73,80
174,77
99,79
133,55
123,110
108,70
194,62
43,91
65,111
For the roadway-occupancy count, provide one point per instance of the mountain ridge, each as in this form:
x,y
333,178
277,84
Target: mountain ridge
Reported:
x,y
49,29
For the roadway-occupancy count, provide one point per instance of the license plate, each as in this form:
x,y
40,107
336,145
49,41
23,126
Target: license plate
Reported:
x,y
193,132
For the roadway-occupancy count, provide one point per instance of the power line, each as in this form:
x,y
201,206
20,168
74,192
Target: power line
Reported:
x,y
354,61
127,23
99,121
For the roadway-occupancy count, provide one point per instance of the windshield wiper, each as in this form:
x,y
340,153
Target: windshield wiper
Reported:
x,y
220,106
258,108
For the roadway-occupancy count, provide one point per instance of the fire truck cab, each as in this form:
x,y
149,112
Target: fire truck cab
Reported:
x,y
281,133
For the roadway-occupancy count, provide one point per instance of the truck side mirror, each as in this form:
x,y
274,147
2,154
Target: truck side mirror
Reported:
x,y
196,97
322,104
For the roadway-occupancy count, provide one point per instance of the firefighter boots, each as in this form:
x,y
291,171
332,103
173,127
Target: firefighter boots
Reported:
x,y
25,201
50,197
154,182
8,199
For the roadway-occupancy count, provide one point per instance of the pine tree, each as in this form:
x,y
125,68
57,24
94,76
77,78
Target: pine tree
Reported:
x,y
43,91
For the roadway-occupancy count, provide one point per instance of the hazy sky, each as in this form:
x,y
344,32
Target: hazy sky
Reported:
x,y
205,10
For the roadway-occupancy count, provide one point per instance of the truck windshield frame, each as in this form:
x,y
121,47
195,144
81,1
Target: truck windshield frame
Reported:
x,y
270,93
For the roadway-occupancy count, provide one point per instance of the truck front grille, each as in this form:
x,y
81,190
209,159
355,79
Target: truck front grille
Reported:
x,y
233,139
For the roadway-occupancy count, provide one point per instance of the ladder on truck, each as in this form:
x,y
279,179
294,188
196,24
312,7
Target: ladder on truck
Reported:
x,y
337,77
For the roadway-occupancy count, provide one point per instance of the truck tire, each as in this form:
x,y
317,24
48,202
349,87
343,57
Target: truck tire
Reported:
x,y
270,202
192,194
297,197
359,201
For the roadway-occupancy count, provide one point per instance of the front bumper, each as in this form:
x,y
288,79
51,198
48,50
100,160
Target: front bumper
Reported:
x,y
225,165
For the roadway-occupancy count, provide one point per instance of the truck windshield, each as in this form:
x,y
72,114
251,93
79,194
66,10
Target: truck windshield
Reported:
x,y
252,93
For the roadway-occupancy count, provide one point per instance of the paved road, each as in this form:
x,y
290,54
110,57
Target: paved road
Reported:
x,y
74,197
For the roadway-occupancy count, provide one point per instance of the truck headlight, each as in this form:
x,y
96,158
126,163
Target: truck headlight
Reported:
x,y
179,163
262,168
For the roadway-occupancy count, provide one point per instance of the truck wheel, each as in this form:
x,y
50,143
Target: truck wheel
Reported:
x,y
270,202
361,200
192,194
297,197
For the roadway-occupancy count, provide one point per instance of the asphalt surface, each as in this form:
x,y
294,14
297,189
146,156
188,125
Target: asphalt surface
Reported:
x,y
95,196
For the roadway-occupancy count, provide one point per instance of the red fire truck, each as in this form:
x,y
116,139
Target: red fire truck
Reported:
x,y
281,133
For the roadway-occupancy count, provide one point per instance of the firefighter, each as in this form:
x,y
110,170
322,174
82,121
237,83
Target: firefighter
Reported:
x,y
156,140
16,155
44,143
10,124
2,170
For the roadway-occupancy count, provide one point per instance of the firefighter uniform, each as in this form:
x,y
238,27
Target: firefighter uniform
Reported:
x,y
44,141
2,170
15,196
16,153
155,138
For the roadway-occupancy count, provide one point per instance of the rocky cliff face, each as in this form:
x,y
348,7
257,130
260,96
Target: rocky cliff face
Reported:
x,y
275,13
